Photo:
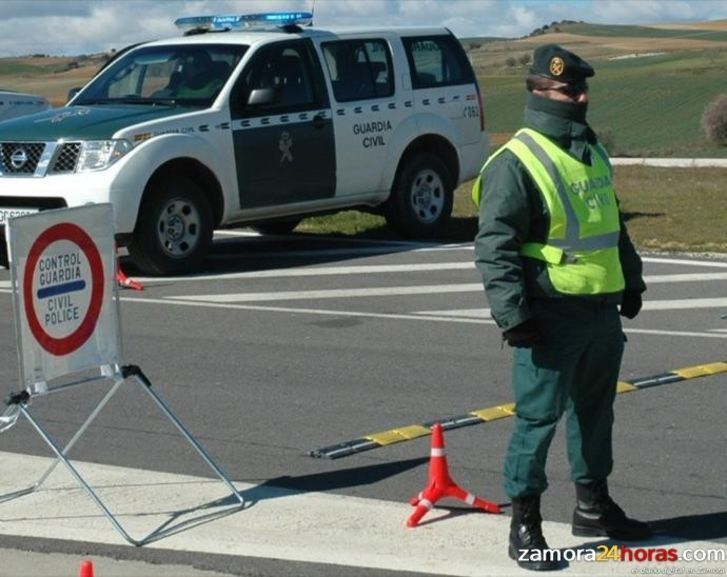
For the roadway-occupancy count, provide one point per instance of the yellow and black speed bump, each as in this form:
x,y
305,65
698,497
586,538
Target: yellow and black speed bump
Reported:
x,y
407,433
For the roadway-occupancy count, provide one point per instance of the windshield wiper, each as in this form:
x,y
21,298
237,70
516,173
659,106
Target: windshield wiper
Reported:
x,y
129,100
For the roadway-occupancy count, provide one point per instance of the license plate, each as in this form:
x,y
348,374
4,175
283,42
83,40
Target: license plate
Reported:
x,y
8,213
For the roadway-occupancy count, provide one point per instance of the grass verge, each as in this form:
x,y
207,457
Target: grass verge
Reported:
x,y
666,209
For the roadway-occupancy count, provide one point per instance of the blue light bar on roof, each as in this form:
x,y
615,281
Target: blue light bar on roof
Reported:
x,y
245,21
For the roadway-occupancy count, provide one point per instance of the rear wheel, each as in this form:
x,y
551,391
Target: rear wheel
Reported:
x,y
174,229
421,200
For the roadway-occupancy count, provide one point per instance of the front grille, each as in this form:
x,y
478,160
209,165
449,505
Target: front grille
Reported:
x,y
20,157
66,158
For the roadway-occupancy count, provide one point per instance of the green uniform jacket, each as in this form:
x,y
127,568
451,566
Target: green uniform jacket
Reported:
x,y
512,212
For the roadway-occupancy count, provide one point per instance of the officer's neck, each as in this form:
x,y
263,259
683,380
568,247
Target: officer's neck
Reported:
x,y
572,111
563,122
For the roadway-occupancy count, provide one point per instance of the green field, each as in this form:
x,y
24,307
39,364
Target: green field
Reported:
x,y
649,106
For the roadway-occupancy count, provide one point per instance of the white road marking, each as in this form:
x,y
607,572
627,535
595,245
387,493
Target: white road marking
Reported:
x,y
688,334
296,238
276,524
676,278
351,251
684,304
478,313
404,290
391,316
243,233
667,305
455,246
399,268
333,293
383,269
683,262
315,271
307,311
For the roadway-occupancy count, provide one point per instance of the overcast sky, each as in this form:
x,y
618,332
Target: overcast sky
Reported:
x,y
72,27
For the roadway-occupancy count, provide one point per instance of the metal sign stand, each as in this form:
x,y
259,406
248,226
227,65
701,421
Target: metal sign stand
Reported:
x,y
18,404
62,265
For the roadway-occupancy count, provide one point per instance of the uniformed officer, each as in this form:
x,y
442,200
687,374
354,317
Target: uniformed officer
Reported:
x,y
558,266
198,77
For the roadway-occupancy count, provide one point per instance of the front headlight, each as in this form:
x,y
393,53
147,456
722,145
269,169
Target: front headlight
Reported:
x,y
100,154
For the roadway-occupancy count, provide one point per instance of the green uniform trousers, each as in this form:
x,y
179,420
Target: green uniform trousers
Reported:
x,y
574,369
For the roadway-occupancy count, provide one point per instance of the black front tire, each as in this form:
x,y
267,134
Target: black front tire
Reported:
x,y
422,196
174,229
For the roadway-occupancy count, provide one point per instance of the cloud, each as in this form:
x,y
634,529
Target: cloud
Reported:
x,y
75,27
658,11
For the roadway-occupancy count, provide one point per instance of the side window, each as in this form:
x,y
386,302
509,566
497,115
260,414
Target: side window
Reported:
x,y
359,69
279,77
437,61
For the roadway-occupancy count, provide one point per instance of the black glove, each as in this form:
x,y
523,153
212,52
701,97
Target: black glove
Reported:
x,y
630,304
523,335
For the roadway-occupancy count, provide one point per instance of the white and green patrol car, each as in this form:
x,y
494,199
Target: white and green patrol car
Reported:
x,y
229,125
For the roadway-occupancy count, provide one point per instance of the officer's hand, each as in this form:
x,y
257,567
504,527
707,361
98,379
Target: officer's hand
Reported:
x,y
523,335
630,304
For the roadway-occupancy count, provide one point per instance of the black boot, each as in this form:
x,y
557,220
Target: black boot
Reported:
x,y
596,515
527,544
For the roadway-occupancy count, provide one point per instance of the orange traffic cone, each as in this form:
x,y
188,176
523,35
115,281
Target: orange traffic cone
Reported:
x,y
86,569
124,281
441,484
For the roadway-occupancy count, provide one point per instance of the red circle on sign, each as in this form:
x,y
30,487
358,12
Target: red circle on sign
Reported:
x,y
75,234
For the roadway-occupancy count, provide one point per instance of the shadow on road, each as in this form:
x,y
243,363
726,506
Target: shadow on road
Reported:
x,y
230,254
328,481
628,216
706,527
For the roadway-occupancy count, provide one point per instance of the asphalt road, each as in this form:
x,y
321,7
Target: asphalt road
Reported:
x,y
288,344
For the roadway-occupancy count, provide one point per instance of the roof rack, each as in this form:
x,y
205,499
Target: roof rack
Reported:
x,y
287,21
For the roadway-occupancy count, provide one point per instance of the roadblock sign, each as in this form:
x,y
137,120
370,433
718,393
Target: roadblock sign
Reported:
x,y
63,269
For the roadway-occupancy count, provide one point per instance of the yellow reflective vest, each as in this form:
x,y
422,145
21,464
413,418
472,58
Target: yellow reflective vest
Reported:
x,y
581,249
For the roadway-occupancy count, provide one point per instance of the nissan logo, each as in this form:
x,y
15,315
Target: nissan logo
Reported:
x,y
18,158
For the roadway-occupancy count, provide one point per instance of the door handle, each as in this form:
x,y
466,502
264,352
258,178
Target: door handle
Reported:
x,y
319,121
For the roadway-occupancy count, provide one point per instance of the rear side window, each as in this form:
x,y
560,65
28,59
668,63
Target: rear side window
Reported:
x,y
359,69
437,61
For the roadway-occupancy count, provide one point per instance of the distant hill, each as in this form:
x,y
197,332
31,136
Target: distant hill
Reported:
x,y
607,41
49,76
651,86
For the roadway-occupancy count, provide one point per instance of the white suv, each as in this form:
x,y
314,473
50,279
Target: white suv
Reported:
x,y
229,125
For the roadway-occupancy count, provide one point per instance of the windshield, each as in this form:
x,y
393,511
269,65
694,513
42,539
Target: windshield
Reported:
x,y
190,75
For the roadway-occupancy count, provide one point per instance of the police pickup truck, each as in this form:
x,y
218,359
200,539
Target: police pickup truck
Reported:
x,y
231,125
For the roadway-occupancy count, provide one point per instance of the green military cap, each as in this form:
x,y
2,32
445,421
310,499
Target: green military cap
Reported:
x,y
554,61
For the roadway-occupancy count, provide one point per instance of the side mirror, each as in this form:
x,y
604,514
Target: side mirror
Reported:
x,y
262,96
72,93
